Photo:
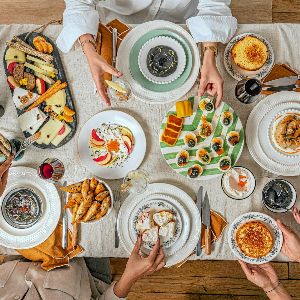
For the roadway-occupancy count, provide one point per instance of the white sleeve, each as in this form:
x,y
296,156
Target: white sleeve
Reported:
x,y
80,17
214,22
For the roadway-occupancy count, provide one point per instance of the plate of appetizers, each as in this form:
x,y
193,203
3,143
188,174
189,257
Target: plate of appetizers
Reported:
x,y
255,238
248,55
39,89
168,204
269,117
89,200
30,209
199,141
111,144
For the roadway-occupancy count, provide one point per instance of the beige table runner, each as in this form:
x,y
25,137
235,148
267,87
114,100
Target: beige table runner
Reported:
x,y
98,238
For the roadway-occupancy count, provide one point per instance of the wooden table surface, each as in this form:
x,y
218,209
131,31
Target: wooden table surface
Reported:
x,y
196,280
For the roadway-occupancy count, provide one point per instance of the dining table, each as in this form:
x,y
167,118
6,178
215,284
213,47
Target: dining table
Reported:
x,y
98,238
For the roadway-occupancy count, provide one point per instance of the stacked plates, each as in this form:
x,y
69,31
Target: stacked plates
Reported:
x,y
259,133
149,90
14,236
160,196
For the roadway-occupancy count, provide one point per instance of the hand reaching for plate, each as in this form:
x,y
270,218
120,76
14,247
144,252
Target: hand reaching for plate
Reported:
x,y
296,214
4,174
138,266
291,242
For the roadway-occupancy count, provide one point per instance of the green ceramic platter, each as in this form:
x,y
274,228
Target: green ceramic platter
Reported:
x,y
139,77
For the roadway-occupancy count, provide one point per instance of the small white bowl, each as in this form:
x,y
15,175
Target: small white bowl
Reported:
x,y
162,41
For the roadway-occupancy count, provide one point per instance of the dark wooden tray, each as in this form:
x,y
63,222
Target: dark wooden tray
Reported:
x,y
60,76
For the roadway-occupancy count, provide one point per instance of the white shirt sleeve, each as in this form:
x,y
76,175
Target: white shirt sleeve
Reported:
x,y
214,22
80,17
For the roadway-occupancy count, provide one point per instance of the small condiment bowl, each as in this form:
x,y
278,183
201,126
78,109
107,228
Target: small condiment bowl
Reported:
x,y
230,195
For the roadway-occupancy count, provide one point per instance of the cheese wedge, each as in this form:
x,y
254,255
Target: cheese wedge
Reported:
x,y
49,131
57,101
22,98
30,118
62,134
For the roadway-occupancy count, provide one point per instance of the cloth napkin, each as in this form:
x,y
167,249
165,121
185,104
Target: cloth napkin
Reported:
x,y
104,40
217,225
50,252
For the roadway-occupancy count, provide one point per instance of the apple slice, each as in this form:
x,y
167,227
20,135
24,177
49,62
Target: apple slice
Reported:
x,y
127,143
103,159
12,83
95,139
126,131
11,67
40,86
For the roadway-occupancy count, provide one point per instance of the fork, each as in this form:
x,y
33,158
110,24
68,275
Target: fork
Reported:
x,y
269,174
27,142
117,205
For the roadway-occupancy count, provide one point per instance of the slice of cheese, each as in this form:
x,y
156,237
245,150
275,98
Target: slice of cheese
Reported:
x,y
33,129
22,98
49,131
150,235
57,101
62,134
31,118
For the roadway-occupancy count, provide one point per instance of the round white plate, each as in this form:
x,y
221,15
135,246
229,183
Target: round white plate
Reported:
x,y
162,41
238,73
184,199
272,226
257,134
15,238
183,222
135,158
122,64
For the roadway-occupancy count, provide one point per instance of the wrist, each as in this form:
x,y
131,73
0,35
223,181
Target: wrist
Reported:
x,y
123,286
278,293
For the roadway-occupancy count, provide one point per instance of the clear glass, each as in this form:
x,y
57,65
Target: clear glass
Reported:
x,y
51,169
135,182
117,95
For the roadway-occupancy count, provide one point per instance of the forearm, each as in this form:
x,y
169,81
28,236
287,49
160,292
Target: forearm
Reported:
x,y
123,286
208,56
279,293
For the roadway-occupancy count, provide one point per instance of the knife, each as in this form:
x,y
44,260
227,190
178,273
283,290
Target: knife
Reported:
x,y
206,222
199,206
64,242
290,87
283,81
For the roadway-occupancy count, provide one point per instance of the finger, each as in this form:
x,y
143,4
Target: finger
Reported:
x,y
161,265
102,91
111,70
202,87
155,250
5,166
219,94
296,214
137,245
285,230
245,268
210,89
160,257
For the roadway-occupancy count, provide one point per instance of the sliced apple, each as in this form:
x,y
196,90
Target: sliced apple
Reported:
x,y
116,87
11,67
12,83
40,85
95,139
113,160
104,159
126,131
127,142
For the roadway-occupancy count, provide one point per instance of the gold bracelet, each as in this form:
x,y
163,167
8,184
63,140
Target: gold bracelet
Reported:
x,y
91,41
212,48
274,288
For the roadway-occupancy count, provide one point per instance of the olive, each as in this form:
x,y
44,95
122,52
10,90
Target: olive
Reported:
x,y
224,164
233,140
181,160
191,143
226,121
216,147
193,172
209,106
205,157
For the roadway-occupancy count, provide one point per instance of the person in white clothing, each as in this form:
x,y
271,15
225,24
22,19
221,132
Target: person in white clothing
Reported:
x,y
209,21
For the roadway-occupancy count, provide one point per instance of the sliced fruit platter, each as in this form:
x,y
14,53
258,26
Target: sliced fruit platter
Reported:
x,y
39,89
200,141
111,144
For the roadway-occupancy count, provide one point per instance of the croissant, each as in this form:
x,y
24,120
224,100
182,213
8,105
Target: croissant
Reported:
x,y
74,211
71,202
85,188
73,188
105,205
93,184
99,188
101,196
92,211
84,206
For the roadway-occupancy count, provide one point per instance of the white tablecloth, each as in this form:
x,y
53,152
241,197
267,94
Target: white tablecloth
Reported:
x,y
98,238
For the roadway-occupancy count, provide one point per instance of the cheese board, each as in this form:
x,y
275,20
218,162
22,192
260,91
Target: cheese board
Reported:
x,y
39,88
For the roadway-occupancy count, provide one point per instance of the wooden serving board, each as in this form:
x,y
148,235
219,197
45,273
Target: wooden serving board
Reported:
x,y
60,76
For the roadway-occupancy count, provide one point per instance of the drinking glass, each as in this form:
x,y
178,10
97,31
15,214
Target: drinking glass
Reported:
x,y
51,169
247,90
135,182
114,94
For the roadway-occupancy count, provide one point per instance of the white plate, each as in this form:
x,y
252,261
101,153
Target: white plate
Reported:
x,y
183,222
257,136
135,158
238,73
122,64
185,200
15,238
162,41
272,226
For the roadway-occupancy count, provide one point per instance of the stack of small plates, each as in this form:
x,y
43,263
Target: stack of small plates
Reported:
x,y
133,48
260,133
161,196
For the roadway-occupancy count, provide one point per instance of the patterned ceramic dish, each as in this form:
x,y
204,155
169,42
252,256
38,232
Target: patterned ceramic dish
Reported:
x,y
178,65
267,221
237,72
191,125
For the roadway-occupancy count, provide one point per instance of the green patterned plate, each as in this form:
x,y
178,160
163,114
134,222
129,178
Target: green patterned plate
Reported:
x,y
191,124
139,77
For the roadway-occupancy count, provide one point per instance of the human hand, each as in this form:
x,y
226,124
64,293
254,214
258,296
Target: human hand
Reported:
x,y
4,174
210,78
296,214
291,242
264,276
139,266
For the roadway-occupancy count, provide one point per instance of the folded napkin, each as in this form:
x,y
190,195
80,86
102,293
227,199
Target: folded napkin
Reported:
x,y
50,252
104,40
217,225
